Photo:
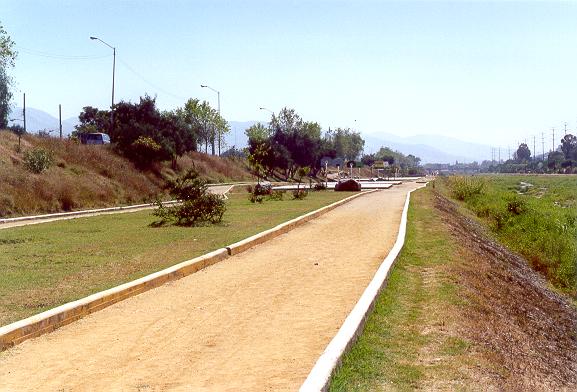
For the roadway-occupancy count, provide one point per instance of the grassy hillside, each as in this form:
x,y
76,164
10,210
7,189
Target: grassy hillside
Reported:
x,y
83,176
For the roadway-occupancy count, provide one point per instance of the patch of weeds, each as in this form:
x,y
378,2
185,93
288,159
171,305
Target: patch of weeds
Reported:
x,y
38,160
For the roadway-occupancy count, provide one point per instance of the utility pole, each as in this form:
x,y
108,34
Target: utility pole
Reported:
x,y
24,112
553,129
499,155
60,118
565,129
543,145
509,150
534,153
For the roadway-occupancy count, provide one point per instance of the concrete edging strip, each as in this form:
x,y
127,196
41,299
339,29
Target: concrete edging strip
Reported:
x,y
81,213
320,376
39,324
52,319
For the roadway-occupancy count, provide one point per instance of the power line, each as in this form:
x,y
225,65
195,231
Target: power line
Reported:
x,y
149,82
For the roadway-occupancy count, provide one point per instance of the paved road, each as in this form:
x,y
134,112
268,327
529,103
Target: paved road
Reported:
x,y
257,321
216,189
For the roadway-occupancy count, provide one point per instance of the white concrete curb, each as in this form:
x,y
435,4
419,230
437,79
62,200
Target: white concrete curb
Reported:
x,y
320,376
80,213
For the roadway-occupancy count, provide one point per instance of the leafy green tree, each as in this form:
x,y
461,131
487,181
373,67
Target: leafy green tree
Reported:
x,y
346,143
91,120
205,122
569,147
257,133
141,132
555,160
523,154
7,57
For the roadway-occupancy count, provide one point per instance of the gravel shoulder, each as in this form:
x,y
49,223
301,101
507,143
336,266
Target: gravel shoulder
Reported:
x,y
257,321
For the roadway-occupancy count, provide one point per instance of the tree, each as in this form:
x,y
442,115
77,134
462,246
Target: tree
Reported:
x,y
569,147
141,132
92,120
204,121
7,57
346,143
257,132
554,160
523,154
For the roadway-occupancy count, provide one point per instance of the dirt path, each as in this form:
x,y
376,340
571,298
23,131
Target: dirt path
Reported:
x,y
216,189
257,321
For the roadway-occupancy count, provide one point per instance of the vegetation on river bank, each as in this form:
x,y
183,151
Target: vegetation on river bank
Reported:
x,y
535,216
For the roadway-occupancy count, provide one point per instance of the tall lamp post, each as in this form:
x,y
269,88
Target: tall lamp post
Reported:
x,y
218,98
268,110
113,72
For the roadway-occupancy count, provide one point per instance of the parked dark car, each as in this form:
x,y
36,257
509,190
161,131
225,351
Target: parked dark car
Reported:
x,y
94,138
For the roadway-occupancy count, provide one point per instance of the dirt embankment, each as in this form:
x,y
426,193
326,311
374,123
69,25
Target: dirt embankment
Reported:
x,y
83,176
527,330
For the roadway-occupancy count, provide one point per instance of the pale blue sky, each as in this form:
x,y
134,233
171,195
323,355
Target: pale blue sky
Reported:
x,y
491,72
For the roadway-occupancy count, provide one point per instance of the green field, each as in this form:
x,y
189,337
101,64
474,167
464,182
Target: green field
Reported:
x,y
535,216
46,265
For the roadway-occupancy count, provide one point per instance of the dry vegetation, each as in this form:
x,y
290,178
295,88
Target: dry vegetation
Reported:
x,y
89,176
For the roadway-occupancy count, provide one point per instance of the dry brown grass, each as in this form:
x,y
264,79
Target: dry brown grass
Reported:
x,y
89,176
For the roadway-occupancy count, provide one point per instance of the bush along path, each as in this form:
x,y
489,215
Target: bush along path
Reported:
x,y
461,312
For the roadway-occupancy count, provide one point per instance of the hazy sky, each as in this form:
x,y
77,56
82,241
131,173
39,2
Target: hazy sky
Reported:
x,y
491,72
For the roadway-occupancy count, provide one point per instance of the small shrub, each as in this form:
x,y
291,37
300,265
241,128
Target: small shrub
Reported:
x,y
38,160
259,191
276,195
516,206
263,188
500,219
196,203
320,186
300,194
256,198
462,188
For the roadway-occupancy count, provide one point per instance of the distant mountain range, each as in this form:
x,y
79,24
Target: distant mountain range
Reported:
x,y
38,120
430,148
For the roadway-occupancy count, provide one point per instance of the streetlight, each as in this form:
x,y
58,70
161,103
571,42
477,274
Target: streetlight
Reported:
x,y
113,72
218,97
268,110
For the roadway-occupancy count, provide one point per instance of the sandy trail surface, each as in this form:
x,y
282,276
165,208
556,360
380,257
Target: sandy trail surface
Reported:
x,y
257,321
